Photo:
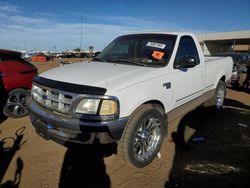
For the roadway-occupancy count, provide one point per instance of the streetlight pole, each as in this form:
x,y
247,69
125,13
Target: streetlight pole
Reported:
x,y
81,34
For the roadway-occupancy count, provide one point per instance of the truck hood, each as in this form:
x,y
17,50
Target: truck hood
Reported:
x,y
106,75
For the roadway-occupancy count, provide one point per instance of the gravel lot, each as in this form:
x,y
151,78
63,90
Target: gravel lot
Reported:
x,y
221,160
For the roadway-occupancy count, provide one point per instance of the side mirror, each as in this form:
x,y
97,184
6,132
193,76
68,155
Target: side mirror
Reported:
x,y
187,62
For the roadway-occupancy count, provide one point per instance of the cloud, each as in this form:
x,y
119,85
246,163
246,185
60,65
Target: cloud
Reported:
x,y
148,23
62,35
26,20
45,34
44,31
5,7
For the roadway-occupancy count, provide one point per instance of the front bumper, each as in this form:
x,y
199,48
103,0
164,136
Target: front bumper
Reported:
x,y
66,129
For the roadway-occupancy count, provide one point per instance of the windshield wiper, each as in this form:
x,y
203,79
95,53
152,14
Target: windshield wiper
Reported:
x,y
131,62
98,59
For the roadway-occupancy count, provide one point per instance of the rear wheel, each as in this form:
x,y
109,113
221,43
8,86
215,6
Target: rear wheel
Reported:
x,y
15,105
143,135
220,94
217,100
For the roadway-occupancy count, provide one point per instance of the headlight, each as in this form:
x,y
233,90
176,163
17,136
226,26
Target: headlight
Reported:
x,y
108,107
35,91
88,106
102,107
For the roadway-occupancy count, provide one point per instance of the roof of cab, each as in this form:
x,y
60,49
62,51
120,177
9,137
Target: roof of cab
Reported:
x,y
167,33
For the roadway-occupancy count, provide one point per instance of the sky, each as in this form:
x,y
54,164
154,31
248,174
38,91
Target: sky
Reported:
x,y
65,25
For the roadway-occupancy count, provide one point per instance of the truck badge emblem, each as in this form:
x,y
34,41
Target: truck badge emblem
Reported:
x,y
167,85
44,97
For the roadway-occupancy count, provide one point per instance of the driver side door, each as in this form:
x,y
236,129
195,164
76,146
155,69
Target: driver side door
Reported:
x,y
187,82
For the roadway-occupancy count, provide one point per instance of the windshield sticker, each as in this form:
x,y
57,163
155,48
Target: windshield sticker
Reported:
x,y
156,45
158,55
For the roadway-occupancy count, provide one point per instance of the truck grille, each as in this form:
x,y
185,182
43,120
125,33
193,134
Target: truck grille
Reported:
x,y
54,99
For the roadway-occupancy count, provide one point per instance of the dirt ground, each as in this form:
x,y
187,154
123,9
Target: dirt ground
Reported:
x,y
222,159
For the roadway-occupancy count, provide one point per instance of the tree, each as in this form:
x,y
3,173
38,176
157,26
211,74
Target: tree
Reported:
x,y
91,48
77,49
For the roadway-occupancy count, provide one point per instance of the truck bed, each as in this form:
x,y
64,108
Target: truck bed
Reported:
x,y
213,64
211,59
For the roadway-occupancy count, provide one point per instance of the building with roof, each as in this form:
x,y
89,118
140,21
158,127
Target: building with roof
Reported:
x,y
237,41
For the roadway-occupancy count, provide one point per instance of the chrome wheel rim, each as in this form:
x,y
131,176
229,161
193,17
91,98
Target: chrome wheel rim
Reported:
x,y
220,97
147,138
16,104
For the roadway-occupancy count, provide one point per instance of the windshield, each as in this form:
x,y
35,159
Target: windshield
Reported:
x,y
139,49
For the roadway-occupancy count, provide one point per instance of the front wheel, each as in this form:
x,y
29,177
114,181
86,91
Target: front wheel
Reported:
x,y
15,105
143,135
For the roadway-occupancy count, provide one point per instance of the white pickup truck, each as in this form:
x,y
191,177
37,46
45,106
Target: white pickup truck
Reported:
x,y
129,93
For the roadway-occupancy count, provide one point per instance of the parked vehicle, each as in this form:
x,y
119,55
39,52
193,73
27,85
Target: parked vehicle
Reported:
x,y
65,55
16,76
28,55
240,60
129,93
81,54
40,57
96,53
246,83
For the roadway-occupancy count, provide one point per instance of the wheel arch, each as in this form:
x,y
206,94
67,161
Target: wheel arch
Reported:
x,y
13,88
223,78
155,102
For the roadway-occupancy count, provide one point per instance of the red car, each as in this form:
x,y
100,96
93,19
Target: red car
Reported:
x,y
16,76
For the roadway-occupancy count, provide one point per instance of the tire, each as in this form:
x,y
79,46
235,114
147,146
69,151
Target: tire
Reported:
x,y
15,105
143,135
217,100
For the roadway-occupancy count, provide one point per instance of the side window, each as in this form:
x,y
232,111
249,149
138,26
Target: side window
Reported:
x,y
186,48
